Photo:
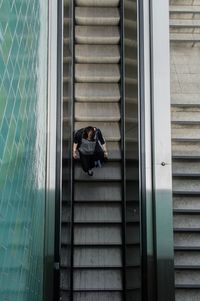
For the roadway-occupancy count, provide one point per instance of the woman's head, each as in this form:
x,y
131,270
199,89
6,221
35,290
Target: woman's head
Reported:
x,y
89,133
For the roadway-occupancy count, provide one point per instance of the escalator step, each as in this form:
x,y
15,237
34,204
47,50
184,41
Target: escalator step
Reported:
x,y
97,92
185,133
96,15
186,278
186,168
97,34
110,172
97,73
97,112
97,54
102,191
186,221
104,3
185,116
97,213
97,296
187,149
97,234
186,203
97,257
97,279
186,185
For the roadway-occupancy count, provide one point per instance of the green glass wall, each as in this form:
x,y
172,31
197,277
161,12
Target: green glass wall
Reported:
x,y
23,111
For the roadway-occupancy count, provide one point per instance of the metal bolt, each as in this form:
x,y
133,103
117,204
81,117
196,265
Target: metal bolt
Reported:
x,y
163,163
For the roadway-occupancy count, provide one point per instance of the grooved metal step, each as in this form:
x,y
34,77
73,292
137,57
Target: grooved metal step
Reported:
x,y
98,257
187,259
188,99
186,239
97,73
103,296
186,132
186,294
97,112
97,212
185,115
185,8
96,16
98,3
97,54
186,168
97,234
187,148
186,186
97,34
187,278
188,221
102,191
184,23
97,279
185,37
97,92
186,203
110,172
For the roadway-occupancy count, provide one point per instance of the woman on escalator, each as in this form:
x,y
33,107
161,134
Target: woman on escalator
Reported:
x,y
91,145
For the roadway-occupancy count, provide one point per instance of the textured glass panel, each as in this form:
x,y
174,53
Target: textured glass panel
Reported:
x,y
133,260
23,110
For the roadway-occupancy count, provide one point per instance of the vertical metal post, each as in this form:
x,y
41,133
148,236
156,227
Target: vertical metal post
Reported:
x,y
161,145
145,153
122,72
71,158
59,135
51,152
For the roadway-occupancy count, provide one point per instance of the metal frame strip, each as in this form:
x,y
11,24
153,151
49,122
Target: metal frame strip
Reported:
x,y
122,84
72,161
51,167
161,147
147,254
59,135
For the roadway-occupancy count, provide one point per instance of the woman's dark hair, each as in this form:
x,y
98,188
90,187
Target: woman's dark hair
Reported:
x,y
87,130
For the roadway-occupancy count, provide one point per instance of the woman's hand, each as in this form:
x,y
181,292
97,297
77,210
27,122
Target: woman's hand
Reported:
x,y
75,156
105,154
74,151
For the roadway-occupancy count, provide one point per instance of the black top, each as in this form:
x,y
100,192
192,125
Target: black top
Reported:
x,y
79,135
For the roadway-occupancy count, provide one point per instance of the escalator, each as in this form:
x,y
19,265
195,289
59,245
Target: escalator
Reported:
x,y
97,256
102,242
101,260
